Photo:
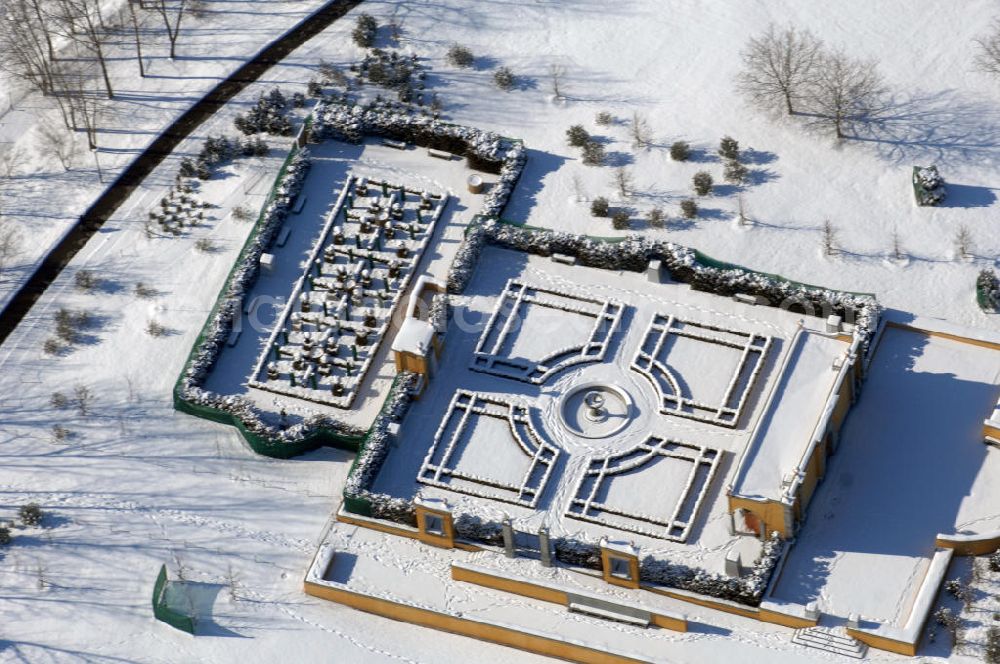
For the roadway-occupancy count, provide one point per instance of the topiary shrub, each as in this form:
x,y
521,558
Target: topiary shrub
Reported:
x,y
680,151
593,154
30,514
729,148
577,136
702,182
988,290
689,208
604,119
85,280
656,218
734,172
364,31
460,56
599,207
5,536
503,77
620,220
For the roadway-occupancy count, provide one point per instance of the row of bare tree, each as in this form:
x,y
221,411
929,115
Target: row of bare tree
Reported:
x,y
60,48
793,72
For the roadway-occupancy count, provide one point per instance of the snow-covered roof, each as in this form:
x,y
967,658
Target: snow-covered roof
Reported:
x,y
415,336
796,404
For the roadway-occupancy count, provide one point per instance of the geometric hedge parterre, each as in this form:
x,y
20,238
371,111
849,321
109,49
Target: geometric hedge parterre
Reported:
x,y
616,490
488,447
527,334
702,372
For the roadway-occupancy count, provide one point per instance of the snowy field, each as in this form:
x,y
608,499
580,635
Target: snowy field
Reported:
x,y
911,464
132,485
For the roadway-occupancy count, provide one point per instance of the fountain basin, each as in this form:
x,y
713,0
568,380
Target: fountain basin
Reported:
x,y
596,410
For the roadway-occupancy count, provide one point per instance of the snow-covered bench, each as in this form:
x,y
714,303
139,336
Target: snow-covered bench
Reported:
x,y
608,611
399,145
300,202
439,154
283,236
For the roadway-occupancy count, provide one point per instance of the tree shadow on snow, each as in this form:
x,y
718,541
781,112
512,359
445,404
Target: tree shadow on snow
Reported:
x,y
940,127
617,159
759,176
752,157
711,213
702,156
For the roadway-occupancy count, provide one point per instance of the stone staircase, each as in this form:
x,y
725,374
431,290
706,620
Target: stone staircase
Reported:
x,y
830,639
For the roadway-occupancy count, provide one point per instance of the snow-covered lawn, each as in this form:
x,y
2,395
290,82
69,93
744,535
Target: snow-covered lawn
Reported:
x,y
674,63
911,464
135,485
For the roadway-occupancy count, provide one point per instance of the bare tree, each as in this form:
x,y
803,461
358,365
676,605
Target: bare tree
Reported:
x,y
395,26
83,23
24,49
623,181
988,55
578,188
963,242
84,399
135,21
10,244
172,13
10,157
897,246
741,210
778,67
233,583
556,74
41,11
845,91
829,240
640,130
88,110
57,144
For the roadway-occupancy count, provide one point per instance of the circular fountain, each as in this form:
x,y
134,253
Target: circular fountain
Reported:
x,y
596,410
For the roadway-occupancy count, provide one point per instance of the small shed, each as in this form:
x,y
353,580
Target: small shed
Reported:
x,y
416,347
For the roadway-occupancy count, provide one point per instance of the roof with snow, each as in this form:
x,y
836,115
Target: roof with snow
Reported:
x,y
415,336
